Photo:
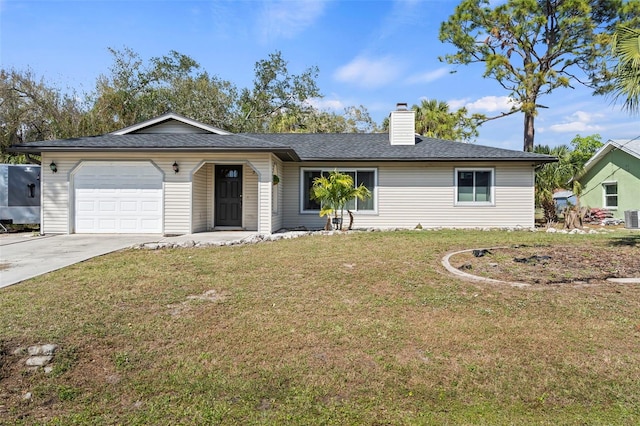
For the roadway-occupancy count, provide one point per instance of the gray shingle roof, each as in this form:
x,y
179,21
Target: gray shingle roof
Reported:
x,y
292,146
376,146
195,142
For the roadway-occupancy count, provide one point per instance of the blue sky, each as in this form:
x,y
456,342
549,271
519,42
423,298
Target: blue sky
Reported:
x,y
371,53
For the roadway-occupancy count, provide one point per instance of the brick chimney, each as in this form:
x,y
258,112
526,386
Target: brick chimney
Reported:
x,y
402,126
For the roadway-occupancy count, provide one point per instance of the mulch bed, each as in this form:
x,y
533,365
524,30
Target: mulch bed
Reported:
x,y
554,264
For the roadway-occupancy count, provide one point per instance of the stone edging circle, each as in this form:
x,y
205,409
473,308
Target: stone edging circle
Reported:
x,y
467,276
464,275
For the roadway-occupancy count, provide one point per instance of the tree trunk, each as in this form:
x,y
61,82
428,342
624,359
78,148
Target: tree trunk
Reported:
x,y
549,209
528,131
350,220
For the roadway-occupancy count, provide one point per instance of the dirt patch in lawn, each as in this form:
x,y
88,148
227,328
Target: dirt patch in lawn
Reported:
x,y
554,264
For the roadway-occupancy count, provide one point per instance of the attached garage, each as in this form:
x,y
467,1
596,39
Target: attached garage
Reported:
x,y
118,197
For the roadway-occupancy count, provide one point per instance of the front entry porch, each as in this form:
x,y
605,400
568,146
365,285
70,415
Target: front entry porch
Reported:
x,y
225,197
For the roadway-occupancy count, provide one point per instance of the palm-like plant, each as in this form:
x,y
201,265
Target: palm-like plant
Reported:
x,y
432,116
626,48
333,192
553,176
433,119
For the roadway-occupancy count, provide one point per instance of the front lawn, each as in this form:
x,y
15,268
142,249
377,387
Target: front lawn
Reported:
x,y
364,328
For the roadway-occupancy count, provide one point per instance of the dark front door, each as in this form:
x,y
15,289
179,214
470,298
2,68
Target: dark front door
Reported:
x,y
228,196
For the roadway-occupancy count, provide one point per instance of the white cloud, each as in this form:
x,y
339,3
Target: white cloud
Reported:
x,y
579,121
455,104
429,76
325,104
369,73
286,19
484,104
492,104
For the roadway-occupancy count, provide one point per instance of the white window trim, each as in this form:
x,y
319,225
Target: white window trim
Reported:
x,y
604,194
475,203
341,170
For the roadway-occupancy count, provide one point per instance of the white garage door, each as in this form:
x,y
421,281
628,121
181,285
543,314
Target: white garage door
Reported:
x,y
118,197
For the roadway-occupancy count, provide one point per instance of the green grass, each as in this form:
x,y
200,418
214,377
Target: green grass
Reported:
x,y
364,328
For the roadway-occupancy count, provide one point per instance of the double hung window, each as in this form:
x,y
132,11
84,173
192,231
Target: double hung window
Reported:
x,y
366,177
610,190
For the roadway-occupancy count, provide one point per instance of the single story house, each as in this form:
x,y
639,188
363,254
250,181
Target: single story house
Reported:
x,y
611,178
172,175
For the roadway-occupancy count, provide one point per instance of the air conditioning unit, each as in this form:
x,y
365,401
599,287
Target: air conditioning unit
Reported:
x,y
632,219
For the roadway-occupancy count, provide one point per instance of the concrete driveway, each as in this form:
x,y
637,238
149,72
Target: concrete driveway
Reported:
x,y
24,256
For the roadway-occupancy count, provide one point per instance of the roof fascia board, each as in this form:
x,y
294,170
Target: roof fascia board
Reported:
x,y
34,150
623,147
434,160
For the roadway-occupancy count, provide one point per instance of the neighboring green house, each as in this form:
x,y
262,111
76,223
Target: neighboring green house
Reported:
x,y
611,178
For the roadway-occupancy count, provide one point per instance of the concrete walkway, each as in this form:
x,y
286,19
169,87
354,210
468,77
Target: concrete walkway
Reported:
x,y
24,255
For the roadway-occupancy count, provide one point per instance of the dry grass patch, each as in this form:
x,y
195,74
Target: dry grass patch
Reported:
x,y
349,329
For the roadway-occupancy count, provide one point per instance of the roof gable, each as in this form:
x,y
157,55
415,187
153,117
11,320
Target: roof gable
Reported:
x,y
170,123
631,147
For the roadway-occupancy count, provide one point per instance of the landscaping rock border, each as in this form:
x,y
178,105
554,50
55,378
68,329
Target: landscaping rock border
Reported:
x,y
38,356
296,233
461,274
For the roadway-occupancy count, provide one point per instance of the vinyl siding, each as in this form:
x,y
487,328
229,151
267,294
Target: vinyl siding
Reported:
x,y
250,198
177,208
420,193
263,175
55,195
406,193
199,200
170,127
179,213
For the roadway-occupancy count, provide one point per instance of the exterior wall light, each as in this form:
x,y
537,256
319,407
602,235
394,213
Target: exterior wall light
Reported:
x,y
175,167
53,167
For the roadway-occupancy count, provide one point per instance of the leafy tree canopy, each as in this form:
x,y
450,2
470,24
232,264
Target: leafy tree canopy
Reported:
x,y
434,119
134,90
625,81
276,92
533,47
32,110
584,148
353,120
